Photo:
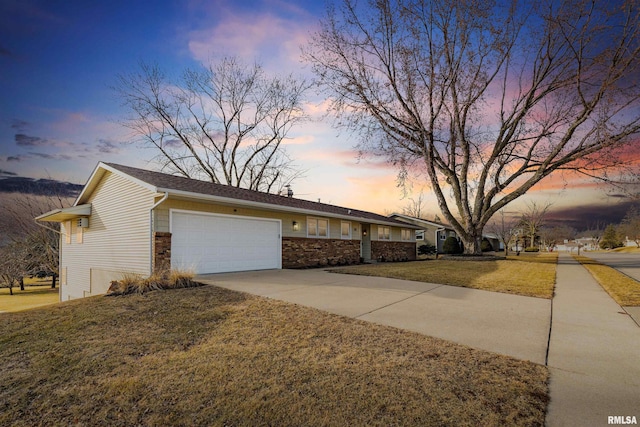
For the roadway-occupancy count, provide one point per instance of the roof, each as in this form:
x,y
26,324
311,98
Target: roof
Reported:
x,y
419,221
205,190
64,214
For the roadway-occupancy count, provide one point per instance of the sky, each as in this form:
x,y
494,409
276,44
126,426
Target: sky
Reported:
x,y
59,115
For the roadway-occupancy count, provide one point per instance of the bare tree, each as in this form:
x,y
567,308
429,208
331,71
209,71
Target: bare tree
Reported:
x,y
13,264
415,206
225,123
506,228
551,236
486,98
38,245
630,225
533,219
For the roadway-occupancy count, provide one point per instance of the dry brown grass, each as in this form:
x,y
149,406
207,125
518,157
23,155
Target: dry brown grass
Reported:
x,y
528,275
209,356
622,288
137,284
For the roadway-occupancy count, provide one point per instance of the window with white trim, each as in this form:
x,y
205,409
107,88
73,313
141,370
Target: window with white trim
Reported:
x,y
405,234
345,230
420,235
384,233
317,227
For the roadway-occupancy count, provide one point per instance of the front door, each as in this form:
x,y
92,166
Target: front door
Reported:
x,y
365,242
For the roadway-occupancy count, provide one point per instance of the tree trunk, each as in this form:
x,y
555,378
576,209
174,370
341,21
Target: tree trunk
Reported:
x,y
53,280
22,283
472,244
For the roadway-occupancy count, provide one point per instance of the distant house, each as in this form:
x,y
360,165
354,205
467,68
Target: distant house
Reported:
x,y
129,220
429,233
435,233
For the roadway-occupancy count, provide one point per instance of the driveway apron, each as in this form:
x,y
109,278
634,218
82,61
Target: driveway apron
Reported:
x,y
594,353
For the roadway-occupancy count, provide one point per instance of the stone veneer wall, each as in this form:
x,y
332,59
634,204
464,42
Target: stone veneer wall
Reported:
x,y
393,251
161,251
300,252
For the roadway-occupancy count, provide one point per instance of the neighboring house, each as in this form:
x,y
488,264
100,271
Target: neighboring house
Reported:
x,y
429,233
133,221
582,243
435,233
495,241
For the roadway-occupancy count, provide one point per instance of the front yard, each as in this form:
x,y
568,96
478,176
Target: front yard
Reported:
x,y
209,356
528,274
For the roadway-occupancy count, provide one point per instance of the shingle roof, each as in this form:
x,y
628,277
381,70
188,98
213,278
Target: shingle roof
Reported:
x,y
163,181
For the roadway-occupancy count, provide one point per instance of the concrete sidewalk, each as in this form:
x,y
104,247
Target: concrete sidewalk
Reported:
x,y
594,353
512,325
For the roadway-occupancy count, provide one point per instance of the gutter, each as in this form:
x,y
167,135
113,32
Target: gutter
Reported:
x,y
165,197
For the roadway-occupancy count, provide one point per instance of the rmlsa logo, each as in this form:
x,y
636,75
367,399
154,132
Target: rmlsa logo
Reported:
x,y
621,419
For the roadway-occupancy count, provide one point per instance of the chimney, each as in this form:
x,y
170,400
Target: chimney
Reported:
x,y
289,191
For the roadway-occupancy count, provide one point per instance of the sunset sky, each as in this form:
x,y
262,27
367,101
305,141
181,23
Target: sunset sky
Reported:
x,y
59,117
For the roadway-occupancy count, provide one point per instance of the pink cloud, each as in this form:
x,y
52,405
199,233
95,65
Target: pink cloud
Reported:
x,y
270,39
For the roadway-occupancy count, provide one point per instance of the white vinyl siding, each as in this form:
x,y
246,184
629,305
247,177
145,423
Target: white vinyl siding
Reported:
x,y
117,239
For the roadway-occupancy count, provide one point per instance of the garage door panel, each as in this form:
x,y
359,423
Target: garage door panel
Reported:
x,y
217,243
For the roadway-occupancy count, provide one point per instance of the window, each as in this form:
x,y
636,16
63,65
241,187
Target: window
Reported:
x,y
345,230
383,233
317,227
406,234
443,236
420,235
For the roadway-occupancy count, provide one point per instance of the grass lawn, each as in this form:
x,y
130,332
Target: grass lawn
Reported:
x,y
210,356
622,288
32,296
527,274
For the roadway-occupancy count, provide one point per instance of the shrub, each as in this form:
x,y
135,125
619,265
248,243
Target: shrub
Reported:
x,y
485,245
451,246
532,249
136,284
426,249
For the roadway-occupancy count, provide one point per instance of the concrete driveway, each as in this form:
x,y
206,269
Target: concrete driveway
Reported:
x,y
512,325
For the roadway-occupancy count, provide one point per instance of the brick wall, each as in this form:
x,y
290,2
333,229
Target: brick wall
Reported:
x,y
161,251
302,252
393,251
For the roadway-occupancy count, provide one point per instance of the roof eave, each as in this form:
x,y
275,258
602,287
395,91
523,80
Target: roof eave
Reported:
x,y
65,214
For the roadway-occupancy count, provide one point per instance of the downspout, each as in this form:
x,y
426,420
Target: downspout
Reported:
x,y
166,195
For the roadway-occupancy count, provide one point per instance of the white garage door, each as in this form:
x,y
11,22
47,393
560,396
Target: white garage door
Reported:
x,y
206,243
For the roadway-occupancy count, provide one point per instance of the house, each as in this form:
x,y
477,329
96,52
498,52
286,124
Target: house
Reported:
x,y
429,232
435,233
134,221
